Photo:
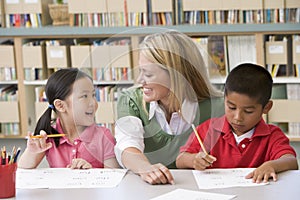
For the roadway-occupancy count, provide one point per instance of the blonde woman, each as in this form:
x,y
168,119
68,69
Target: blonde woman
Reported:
x,y
154,119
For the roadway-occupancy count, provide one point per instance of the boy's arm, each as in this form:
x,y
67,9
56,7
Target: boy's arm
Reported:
x,y
272,167
198,161
185,160
284,163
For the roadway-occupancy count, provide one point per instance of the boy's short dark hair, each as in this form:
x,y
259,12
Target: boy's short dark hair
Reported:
x,y
252,80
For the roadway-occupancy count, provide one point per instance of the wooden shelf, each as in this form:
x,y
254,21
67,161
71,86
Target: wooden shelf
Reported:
x,y
21,35
8,82
220,29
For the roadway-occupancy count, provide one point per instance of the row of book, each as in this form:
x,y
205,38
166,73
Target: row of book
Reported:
x,y
104,13
293,93
104,60
232,12
105,95
171,12
9,123
110,59
108,93
7,62
8,74
283,55
223,53
23,20
8,129
8,93
24,13
112,74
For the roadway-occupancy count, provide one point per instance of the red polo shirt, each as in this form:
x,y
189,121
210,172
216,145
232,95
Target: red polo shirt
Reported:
x,y
268,142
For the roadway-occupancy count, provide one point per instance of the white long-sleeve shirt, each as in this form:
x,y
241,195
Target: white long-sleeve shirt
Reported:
x,y
129,131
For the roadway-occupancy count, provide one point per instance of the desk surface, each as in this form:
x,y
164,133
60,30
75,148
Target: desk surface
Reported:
x,y
133,188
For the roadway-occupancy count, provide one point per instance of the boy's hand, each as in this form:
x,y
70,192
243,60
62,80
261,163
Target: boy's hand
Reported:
x,y
79,163
202,161
263,173
38,145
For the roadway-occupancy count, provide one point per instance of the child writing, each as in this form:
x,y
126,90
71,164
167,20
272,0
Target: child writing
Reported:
x,y
241,138
71,95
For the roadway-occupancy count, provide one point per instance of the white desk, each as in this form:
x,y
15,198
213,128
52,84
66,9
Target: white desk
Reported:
x,y
133,188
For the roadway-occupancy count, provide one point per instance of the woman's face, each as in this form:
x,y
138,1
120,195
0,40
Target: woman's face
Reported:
x,y
154,79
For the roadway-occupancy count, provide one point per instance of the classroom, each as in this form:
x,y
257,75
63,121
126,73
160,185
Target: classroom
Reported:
x,y
108,46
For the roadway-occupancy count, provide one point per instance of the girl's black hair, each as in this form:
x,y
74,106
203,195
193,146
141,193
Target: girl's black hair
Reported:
x,y
59,86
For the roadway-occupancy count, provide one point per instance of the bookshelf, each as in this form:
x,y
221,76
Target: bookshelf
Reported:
x,y
22,35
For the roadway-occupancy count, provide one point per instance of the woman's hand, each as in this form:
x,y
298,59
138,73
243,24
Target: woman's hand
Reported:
x,y
79,163
157,174
202,161
38,145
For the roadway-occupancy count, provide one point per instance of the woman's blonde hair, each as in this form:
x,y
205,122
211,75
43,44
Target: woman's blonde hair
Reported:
x,y
180,56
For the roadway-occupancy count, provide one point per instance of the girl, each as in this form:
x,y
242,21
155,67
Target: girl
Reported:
x,y
71,95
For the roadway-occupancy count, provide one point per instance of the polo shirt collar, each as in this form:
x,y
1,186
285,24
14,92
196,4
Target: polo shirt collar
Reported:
x,y
222,125
188,110
84,136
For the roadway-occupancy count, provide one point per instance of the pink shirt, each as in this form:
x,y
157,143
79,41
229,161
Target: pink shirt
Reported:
x,y
268,142
95,144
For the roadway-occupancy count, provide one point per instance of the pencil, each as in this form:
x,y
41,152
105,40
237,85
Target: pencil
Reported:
x,y
49,136
199,139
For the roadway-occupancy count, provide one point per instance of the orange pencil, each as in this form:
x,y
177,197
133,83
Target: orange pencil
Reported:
x,y
199,139
49,136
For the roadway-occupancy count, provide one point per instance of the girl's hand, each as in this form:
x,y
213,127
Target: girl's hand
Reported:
x,y
38,145
79,163
202,161
157,174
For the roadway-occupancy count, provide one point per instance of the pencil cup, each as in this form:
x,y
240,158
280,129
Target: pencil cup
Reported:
x,y
8,180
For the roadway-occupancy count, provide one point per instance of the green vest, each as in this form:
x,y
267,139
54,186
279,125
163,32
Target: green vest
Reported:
x,y
161,147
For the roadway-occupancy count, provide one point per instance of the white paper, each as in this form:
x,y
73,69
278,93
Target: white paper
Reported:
x,y
297,48
31,1
223,178
276,49
12,1
68,178
57,54
180,194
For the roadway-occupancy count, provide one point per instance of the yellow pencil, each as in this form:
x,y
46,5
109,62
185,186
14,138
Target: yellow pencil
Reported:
x,y
199,139
49,136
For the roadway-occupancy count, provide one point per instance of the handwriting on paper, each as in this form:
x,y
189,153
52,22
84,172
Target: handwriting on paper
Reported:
x,y
222,178
47,178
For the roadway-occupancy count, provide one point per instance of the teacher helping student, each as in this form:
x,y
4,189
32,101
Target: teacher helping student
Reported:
x,y
154,118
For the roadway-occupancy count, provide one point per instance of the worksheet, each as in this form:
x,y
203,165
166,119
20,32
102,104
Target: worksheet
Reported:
x,y
68,178
180,194
223,178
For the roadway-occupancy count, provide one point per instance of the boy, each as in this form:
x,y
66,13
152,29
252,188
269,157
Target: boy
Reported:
x,y
241,138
